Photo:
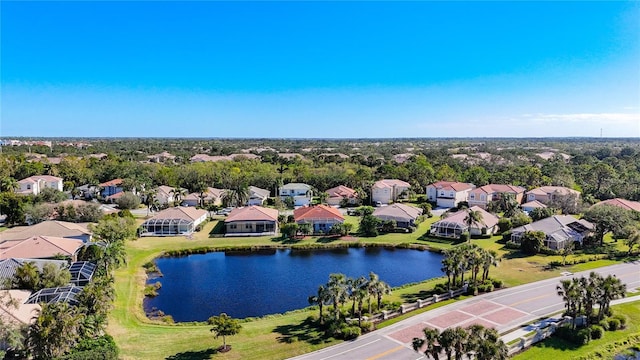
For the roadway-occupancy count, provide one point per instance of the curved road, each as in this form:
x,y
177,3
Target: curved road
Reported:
x,y
503,310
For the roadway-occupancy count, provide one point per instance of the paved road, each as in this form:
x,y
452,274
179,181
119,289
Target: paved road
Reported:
x,y
503,310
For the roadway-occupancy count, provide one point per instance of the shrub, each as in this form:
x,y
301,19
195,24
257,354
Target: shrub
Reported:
x,y
464,237
128,200
582,337
472,290
497,284
614,324
532,242
506,236
504,224
596,331
604,324
440,288
622,319
350,332
367,326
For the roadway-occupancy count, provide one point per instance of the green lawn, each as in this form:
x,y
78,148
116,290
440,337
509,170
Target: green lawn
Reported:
x,y
272,337
611,343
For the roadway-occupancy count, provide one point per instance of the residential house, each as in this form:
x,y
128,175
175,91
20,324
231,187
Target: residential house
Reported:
x,y
387,191
19,312
448,194
40,247
621,203
321,217
161,157
454,225
484,195
231,157
35,184
300,193
405,216
257,196
165,195
340,193
88,191
174,221
558,229
110,188
61,229
251,221
530,205
547,194
8,266
211,196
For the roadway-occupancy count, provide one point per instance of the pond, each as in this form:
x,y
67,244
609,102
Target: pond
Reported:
x,y
246,284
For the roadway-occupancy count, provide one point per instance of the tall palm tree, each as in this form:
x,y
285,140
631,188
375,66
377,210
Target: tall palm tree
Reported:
x,y
431,340
489,258
474,217
337,290
612,288
453,342
378,288
570,294
321,297
474,256
448,267
201,188
237,196
9,184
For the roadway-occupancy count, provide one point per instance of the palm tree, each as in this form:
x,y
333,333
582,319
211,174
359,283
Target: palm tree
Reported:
x,y
489,258
150,198
448,267
473,217
224,326
178,194
360,292
474,256
431,340
9,184
26,277
612,288
323,196
337,290
453,342
321,297
201,188
237,196
55,330
378,288
570,294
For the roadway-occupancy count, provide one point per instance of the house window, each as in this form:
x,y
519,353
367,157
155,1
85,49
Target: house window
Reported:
x,y
451,194
248,226
472,196
482,197
441,193
233,226
28,187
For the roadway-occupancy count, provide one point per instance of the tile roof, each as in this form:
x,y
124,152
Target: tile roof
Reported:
x,y
488,219
114,182
39,247
210,194
390,183
452,185
54,228
258,192
499,188
42,177
252,213
546,190
293,186
165,190
341,191
623,203
317,212
533,204
397,211
552,224
23,313
185,213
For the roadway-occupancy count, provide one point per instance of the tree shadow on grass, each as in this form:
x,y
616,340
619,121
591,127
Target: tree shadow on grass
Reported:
x,y
556,343
193,355
217,230
306,331
413,297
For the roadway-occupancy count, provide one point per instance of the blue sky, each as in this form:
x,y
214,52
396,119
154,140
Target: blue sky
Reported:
x,y
320,69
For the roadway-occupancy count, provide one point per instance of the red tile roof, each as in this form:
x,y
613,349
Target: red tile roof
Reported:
x,y
341,191
500,188
114,182
452,185
252,213
623,203
39,247
317,212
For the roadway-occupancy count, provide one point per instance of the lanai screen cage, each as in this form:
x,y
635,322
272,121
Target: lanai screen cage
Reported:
x,y
82,272
448,229
167,227
55,295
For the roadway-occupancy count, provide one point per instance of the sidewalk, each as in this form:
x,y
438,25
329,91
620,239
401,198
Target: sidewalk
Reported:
x,y
525,329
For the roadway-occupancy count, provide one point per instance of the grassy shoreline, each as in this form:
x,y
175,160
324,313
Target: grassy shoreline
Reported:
x,y
274,336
